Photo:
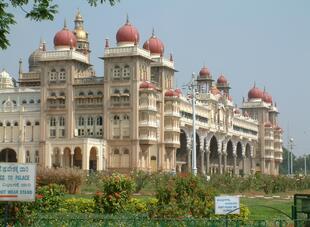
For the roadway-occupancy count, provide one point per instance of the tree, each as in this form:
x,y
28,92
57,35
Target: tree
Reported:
x,y
39,10
298,163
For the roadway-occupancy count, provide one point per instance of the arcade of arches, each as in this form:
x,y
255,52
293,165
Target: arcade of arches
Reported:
x,y
215,156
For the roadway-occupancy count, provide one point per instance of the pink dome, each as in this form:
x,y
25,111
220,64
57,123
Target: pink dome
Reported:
x,y
255,93
171,93
65,38
154,45
127,33
146,85
179,91
268,125
222,80
204,72
267,97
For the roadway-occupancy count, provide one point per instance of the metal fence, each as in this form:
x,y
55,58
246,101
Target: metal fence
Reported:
x,y
120,221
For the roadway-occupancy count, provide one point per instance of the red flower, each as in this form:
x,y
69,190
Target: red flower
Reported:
x,y
38,196
117,195
98,193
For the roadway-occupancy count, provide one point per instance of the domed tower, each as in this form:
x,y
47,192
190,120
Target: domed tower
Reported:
x,y
65,39
80,34
127,35
223,84
204,80
34,58
6,81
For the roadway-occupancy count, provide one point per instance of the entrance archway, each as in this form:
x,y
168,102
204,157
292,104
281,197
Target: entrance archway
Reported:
x,y
66,158
181,154
8,155
230,157
77,158
93,159
248,160
214,156
239,158
56,158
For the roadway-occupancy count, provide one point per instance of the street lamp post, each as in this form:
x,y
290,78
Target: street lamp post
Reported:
x,y
291,149
305,159
194,160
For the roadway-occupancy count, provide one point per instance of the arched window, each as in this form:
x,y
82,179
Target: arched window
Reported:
x,y
126,91
24,101
126,72
81,121
28,123
90,93
53,75
53,121
37,123
8,123
81,93
116,91
31,101
126,151
38,101
116,119
126,117
53,94
62,94
1,124
62,74
99,120
15,123
90,121
117,72
61,121
14,102
37,158
116,151
27,156
99,93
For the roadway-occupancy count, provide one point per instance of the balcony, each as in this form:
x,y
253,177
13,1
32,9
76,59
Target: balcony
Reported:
x,y
148,108
146,139
126,51
172,114
172,143
269,156
63,55
152,124
171,128
89,81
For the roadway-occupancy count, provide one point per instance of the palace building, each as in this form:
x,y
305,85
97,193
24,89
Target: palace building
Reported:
x,y
61,114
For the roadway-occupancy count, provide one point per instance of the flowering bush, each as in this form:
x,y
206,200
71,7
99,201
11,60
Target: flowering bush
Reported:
x,y
114,194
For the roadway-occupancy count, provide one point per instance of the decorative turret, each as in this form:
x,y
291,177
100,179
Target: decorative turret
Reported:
x,y
80,34
127,35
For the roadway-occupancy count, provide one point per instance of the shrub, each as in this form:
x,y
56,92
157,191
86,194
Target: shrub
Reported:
x,y
71,178
141,178
77,205
114,194
138,205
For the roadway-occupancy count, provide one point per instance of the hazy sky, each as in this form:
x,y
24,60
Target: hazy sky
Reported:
x,y
263,41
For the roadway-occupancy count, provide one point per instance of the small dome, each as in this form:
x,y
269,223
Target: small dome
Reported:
x,y
6,81
179,91
64,38
222,79
34,59
204,72
267,97
147,85
236,111
215,91
154,45
80,34
127,34
268,125
171,93
255,93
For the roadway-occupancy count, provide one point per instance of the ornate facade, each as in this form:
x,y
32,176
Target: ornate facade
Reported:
x,y
133,117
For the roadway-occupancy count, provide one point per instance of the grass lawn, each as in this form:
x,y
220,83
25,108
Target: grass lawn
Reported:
x,y
260,211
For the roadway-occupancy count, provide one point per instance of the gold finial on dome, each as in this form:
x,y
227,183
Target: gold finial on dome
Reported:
x,y
78,16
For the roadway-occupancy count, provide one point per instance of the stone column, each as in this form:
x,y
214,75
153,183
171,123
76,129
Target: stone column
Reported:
x,y
189,160
225,162
235,164
243,159
207,161
71,158
219,151
203,170
61,158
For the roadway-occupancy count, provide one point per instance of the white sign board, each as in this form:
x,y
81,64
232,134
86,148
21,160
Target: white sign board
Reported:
x,y
227,205
17,181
